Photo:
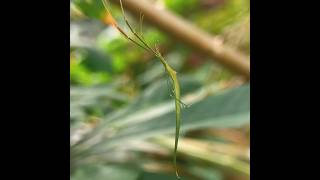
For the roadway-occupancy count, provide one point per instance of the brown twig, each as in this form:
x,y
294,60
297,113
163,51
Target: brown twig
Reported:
x,y
190,35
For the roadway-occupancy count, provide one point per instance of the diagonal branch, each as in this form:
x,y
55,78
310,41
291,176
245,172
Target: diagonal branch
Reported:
x,y
190,35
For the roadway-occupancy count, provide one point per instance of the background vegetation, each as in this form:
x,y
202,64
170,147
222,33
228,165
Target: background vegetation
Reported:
x,y
121,114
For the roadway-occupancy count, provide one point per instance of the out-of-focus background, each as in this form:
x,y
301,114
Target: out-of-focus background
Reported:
x,y
122,116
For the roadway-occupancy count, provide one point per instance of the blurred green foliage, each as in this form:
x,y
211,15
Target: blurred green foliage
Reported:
x,y
101,172
89,67
181,6
91,8
226,14
120,103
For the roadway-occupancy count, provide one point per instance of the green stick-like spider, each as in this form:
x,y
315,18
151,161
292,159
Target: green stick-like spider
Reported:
x,y
169,70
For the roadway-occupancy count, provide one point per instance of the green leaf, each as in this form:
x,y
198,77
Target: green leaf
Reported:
x,y
230,108
105,172
96,61
95,99
157,176
206,173
90,67
91,8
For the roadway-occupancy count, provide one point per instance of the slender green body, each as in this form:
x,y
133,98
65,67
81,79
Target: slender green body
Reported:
x,y
178,111
172,73
176,88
